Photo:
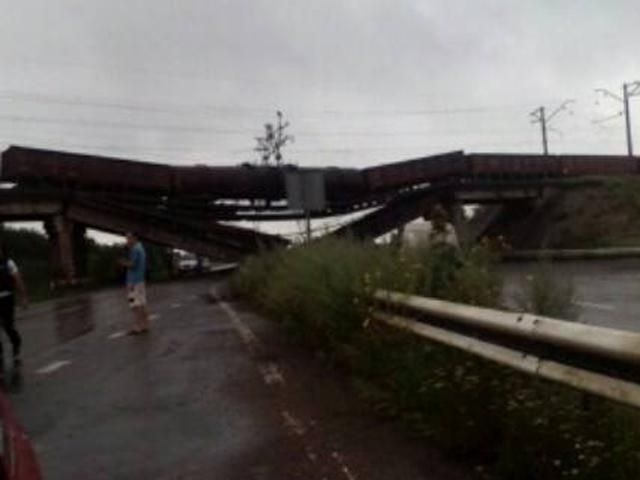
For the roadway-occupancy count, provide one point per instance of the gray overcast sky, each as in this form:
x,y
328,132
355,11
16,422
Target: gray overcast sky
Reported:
x,y
362,81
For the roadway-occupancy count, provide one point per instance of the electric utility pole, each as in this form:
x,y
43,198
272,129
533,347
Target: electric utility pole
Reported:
x,y
629,90
539,116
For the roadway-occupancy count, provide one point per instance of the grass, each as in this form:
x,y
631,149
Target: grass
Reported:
x,y
626,191
548,294
502,424
604,216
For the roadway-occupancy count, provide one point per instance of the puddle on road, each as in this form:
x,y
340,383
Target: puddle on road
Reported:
x,y
74,318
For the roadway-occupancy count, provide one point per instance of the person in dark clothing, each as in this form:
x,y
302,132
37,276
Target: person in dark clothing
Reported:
x,y
10,283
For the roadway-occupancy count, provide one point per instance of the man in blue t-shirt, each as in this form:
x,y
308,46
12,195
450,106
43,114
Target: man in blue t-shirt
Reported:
x,y
136,292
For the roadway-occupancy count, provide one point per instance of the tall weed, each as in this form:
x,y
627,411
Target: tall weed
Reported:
x,y
548,294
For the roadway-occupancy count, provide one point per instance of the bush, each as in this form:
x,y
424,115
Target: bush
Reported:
x,y
547,294
320,293
31,251
323,292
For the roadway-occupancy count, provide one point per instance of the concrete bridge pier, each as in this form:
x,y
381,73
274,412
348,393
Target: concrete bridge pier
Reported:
x,y
459,222
81,250
68,247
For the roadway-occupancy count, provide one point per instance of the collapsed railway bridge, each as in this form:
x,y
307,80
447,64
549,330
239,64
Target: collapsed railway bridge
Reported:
x,y
187,206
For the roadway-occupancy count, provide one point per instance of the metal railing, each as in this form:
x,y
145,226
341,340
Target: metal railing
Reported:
x,y
597,360
573,254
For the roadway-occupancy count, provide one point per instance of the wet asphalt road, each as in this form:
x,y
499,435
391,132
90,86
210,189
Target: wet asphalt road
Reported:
x,y
179,403
211,393
607,292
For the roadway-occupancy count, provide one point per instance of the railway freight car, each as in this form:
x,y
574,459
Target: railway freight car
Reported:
x,y
588,165
513,166
96,173
268,183
345,185
46,167
519,166
430,169
265,183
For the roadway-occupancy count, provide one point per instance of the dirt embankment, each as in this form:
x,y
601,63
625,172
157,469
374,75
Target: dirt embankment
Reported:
x,y
602,213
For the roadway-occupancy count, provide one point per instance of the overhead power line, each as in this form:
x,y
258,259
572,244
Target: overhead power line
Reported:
x,y
86,123
205,108
122,125
600,121
135,107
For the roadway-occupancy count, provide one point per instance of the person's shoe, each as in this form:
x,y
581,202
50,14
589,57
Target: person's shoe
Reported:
x,y
17,361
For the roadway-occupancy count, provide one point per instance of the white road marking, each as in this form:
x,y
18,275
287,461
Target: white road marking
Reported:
x,y
292,424
311,455
343,467
176,305
596,306
71,309
154,316
247,336
52,367
116,335
271,374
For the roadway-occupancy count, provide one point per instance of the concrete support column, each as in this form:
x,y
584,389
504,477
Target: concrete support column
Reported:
x,y
483,219
68,250
80,246
459,222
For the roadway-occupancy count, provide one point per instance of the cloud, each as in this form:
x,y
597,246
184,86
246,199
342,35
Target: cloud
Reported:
x,y
335,66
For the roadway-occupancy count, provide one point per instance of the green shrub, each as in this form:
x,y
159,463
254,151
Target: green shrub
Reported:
x,y
320,293
31,251
476,282
323,291
545,293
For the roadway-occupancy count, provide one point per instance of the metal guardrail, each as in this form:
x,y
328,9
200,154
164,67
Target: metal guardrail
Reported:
x,y
598,360
573,254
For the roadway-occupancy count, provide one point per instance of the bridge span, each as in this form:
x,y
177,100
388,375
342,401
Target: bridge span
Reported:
x,y
187,207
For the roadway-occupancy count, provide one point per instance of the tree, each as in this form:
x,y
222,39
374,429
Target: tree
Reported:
x,y
270,146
